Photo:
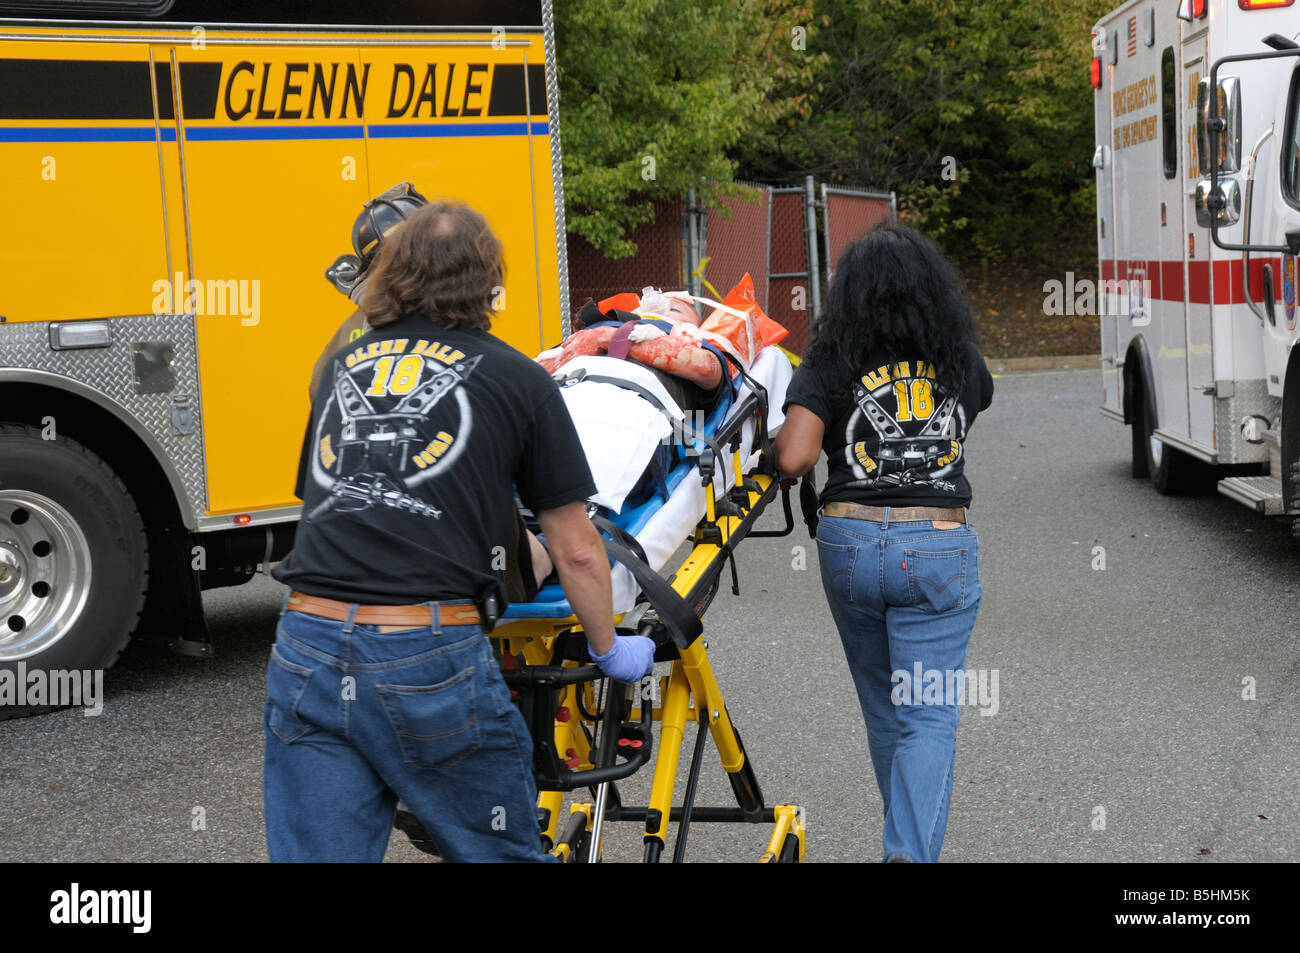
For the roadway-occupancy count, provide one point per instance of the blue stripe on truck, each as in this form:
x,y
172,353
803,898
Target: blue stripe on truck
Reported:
x,y
416,130
84,135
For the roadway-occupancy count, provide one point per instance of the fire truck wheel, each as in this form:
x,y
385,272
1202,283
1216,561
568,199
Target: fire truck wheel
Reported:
x,y
73,558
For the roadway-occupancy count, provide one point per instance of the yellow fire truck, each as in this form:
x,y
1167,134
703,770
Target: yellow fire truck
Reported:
x,y
175,177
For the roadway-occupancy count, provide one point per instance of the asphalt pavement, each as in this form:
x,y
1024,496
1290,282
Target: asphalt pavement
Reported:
x,y
1146,711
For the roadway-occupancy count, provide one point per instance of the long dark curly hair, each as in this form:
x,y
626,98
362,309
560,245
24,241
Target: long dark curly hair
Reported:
x,y
894,297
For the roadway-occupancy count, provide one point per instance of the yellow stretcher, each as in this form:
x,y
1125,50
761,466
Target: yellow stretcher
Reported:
x,y
590,732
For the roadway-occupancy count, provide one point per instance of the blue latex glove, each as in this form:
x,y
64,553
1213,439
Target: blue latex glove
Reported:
x,y
630,659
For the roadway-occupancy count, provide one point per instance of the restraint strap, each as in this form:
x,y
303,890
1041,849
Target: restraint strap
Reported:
x,y
674,612
620,343
808,501
759,391
656,402
620,534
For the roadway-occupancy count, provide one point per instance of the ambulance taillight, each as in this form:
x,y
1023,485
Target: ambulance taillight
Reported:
x,y
1096,72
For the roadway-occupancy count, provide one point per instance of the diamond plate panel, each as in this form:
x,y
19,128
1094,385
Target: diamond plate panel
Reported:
x,y
1250,397
111,371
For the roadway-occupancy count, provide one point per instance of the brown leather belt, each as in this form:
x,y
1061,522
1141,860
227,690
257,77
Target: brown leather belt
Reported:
x,y
897,514
408,617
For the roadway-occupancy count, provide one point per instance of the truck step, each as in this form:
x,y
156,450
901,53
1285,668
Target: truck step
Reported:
x,y
1262,493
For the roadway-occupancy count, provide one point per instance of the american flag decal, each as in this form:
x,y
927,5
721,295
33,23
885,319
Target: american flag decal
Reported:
x,y
1132,36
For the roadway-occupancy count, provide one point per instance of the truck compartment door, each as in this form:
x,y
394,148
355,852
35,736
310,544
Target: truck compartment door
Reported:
x,y
79,159
274,173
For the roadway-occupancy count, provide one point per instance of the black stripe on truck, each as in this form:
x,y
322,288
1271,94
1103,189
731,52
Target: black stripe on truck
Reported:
x,y
103,89
508,90
74,89
200,83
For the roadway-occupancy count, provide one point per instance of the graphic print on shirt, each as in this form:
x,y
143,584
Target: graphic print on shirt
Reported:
x,y
395,417
896,435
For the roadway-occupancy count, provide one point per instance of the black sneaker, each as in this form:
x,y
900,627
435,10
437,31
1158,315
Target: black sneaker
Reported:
x,y
410,825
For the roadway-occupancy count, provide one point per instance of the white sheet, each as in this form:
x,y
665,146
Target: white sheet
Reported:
x,y
619,432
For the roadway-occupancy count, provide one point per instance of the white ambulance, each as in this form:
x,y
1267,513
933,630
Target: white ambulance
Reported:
x,y
1198,230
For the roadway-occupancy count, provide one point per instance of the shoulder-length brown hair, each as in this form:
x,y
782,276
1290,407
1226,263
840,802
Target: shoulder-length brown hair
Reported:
x,y
443,263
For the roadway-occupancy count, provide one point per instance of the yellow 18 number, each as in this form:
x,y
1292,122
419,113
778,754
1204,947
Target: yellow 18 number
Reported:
x,y
399,381
921,406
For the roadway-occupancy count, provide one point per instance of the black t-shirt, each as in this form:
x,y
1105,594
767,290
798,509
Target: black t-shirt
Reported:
x,y
893,438
416,436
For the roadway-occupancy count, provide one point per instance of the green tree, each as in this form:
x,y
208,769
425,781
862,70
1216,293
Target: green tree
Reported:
x,y
977,112
655,95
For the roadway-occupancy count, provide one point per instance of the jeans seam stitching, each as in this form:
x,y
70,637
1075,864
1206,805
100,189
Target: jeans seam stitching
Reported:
x,y
339,663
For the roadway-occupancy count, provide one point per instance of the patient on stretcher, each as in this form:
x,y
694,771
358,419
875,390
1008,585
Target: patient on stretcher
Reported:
x,y
665,332
642,370
644,377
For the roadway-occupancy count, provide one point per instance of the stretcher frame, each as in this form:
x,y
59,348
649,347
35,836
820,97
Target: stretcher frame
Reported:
x,y
584,738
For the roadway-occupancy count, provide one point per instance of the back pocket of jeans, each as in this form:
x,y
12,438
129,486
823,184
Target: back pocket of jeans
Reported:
x,y
937,581
837,562
285,685
436,725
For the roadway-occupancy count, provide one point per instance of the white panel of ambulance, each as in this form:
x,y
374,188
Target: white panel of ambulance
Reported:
x,y
1198,328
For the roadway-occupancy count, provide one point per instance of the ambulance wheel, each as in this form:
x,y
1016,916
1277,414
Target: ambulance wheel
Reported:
x,y
1172,471
73,558
1141,466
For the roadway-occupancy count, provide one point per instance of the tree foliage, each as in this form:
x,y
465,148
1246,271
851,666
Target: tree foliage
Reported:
x,y
886,94
657,96
909,89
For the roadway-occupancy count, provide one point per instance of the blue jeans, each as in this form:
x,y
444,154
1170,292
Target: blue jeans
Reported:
x,y
902,594
356,719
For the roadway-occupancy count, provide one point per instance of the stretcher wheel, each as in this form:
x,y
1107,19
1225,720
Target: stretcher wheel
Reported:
x,y
579,848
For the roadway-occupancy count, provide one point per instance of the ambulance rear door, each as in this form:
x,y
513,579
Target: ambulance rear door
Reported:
x,y
1188,262
1103,161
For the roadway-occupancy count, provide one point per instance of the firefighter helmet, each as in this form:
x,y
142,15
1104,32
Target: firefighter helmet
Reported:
x,y
381,215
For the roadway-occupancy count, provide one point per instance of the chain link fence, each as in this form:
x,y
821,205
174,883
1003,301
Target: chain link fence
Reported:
x,y
735,242
786,238
789,301
660,259
848,214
